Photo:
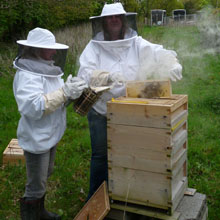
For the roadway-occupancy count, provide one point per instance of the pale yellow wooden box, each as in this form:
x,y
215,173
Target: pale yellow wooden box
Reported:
x,y
147,150
97,207
13,154
149,89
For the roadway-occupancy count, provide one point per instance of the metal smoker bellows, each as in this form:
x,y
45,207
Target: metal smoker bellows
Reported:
x,y
84,103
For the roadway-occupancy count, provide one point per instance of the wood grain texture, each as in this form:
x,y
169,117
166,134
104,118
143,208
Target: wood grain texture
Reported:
x,y
97,207
13,154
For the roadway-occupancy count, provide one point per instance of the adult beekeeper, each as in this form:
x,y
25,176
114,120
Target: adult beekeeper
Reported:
x,y
40,93
116,54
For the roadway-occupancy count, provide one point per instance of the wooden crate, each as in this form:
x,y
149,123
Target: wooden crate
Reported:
x,y
147,150
13,154
149,89
97,207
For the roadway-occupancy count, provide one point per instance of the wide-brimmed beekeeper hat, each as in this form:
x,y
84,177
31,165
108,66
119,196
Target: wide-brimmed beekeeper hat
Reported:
x,y
112,9
41,38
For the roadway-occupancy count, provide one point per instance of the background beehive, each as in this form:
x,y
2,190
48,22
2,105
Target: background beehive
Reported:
x,y
147,150
13,154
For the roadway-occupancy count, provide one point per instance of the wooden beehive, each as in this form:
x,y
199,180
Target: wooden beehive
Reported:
x,y
13,154
147,150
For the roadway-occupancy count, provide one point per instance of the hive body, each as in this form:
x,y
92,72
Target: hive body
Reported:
x,y
147,150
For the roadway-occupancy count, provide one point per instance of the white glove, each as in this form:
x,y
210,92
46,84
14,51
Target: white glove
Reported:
x,y
116,78
71,89
176,73
74,87
99,78
53,100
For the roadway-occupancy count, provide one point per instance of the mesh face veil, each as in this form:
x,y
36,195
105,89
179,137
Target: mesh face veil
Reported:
x,y
103,26
114,23
40,54
53,60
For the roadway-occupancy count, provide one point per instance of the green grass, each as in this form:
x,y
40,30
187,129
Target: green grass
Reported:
x,y
68,186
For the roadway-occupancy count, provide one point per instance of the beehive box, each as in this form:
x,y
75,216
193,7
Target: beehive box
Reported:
x,y
149,89
13,154
147,150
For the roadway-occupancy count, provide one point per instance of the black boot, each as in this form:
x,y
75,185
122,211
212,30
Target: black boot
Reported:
x,y
30,209
44,214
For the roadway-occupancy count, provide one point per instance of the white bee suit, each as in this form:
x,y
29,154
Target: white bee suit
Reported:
x,y
38,132
128,58
40,93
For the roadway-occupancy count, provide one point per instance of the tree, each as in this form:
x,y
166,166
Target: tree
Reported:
x,y
215,3
131,5
193,6
167,5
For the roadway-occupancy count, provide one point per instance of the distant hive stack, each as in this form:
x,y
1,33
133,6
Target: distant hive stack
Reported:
x,y
147,150
13,154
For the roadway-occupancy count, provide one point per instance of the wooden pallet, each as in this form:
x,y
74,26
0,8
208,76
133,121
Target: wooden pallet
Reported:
x,y
13,154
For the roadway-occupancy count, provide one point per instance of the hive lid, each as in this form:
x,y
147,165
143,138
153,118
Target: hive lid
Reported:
x,y
97,207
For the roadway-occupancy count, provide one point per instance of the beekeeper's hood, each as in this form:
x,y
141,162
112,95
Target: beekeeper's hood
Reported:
x,y
113,18
40,54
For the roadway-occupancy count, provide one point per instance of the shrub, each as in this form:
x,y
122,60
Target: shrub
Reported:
x,y
19,16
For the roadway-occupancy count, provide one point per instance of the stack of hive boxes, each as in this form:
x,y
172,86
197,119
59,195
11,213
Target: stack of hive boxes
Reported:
x,y
147,150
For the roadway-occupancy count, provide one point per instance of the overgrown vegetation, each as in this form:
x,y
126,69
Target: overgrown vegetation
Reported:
x,y
23,15
17,17
68,186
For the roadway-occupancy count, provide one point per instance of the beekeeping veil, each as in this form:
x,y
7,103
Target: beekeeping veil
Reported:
x,y
40,54
99,27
